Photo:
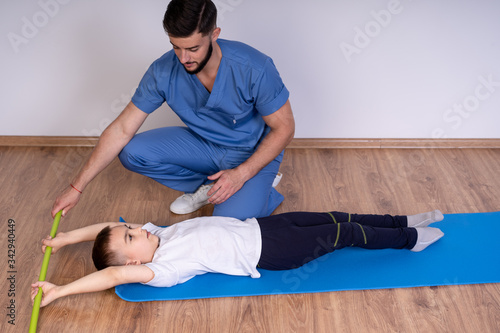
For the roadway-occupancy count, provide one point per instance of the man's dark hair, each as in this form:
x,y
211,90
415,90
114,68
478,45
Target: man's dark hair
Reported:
x,y
185,17
102,255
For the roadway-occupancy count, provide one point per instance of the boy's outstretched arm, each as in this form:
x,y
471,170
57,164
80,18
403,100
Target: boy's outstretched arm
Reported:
x,y
84,234
97,281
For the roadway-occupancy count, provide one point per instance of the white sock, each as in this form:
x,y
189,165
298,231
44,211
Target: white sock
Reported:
x,y
425,237
424,219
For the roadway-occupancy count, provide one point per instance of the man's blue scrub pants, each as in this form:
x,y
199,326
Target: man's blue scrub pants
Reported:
x,y
182,160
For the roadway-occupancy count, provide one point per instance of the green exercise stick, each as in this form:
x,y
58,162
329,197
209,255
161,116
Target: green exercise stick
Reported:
x,y
43,273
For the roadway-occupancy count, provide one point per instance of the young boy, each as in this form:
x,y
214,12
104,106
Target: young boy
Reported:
x,y
163,257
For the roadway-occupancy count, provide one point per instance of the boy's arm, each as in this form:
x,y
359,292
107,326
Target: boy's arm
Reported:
x,y
84,234
97,281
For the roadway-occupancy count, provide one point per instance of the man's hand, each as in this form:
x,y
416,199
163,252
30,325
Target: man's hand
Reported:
x,y
228,182
49,292
67,200
56,243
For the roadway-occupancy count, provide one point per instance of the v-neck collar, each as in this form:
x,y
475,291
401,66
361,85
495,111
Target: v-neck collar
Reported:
x,y
210,97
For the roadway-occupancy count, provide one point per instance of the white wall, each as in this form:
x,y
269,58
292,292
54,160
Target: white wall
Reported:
x,y
355,69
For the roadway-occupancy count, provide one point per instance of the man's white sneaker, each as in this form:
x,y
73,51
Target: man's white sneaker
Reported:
x,y
191,202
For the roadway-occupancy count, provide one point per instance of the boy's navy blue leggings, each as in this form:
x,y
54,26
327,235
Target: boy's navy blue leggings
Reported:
x,y
290,240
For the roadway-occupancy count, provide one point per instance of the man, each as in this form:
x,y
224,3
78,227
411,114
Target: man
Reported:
x,y
237,113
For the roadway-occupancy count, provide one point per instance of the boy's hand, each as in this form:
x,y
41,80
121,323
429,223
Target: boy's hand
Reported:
x,y
48,289
56,243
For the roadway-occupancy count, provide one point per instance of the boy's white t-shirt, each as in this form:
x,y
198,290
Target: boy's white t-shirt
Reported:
x,y
201,245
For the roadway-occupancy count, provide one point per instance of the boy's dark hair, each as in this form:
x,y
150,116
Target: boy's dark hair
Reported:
x,y
102,255
185,17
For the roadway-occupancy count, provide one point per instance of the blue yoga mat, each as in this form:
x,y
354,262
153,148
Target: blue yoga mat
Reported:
x,y
467,254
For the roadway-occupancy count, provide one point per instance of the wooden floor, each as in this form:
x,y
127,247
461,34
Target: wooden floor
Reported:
x,y
397,181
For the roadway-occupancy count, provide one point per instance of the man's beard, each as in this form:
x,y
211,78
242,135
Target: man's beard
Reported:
x,y
203,63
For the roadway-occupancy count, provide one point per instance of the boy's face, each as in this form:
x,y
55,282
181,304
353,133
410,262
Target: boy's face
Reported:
x,y
137,245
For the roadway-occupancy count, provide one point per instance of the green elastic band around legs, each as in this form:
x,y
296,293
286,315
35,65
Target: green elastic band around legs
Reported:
x,y
43,273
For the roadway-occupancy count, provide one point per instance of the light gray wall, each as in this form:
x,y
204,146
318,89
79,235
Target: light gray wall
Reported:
x,y
355,69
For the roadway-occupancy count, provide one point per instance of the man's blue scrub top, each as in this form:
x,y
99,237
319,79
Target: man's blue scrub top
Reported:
x,y
247,87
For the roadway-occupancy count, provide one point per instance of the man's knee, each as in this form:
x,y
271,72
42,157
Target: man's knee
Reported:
x,y
128,156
